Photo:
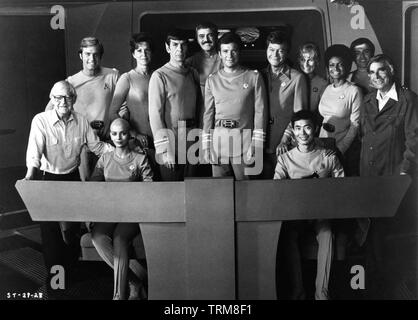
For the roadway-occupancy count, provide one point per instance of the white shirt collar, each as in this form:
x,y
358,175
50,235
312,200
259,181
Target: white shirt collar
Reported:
x,y
392,94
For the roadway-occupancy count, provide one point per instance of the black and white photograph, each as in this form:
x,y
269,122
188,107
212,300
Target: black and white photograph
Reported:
x,y
208,150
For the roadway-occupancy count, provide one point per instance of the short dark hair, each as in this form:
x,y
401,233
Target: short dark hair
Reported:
x,y
386,60
91,42
360,41
303,115
230,37
207,25
340,51
175,34
140,37
309,47
278,37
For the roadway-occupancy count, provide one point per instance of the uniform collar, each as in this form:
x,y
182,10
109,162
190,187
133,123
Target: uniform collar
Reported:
x,y
285,71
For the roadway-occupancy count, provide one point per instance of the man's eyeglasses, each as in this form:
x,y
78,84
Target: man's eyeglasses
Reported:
x,y
61,98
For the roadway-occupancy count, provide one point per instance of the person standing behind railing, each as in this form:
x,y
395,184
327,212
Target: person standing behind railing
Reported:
x,y
389,136
57,138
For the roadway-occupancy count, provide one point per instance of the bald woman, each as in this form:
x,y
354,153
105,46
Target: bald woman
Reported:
x,y
112,240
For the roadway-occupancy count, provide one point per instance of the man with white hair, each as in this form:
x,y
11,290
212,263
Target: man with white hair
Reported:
x,y
56,140
389,138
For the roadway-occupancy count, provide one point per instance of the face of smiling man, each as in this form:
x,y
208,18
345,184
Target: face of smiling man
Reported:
x,y
206,39
276,54
62,100
381,76
304,131
90,56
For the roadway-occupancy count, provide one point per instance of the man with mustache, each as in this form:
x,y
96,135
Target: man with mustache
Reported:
x,y
206,62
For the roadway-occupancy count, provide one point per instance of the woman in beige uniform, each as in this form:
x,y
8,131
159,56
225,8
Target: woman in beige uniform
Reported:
x,y
130,100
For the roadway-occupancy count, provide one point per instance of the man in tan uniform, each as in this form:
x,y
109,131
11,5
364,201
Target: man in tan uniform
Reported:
x,y
174,103
235,108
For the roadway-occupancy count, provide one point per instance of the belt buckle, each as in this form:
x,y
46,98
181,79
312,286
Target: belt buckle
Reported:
x,y
229,124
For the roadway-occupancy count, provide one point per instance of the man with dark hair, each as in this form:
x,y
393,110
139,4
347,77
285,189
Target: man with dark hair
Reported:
x,y
389,135
235,108
287,92
207,60
362,50
95,86
174,101
307,160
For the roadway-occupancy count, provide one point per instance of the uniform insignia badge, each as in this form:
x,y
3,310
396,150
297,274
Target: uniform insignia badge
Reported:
x,y
342,96
283,84
106,86
245,85
132,167
315,89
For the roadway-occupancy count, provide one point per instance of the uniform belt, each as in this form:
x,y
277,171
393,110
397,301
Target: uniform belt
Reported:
x,y
228,123
97,124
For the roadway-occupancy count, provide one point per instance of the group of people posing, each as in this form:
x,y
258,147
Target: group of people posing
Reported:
x,y
102,126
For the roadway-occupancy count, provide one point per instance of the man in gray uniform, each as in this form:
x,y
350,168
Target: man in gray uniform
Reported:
x,y
174,104
235,108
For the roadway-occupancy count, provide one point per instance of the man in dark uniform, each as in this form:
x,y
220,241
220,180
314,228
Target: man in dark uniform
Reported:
x,y
389,134
287,93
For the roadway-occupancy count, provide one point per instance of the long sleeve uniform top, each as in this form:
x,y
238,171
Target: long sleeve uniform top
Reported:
x,y
320,163
174,95
340,108
240,97
132,87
